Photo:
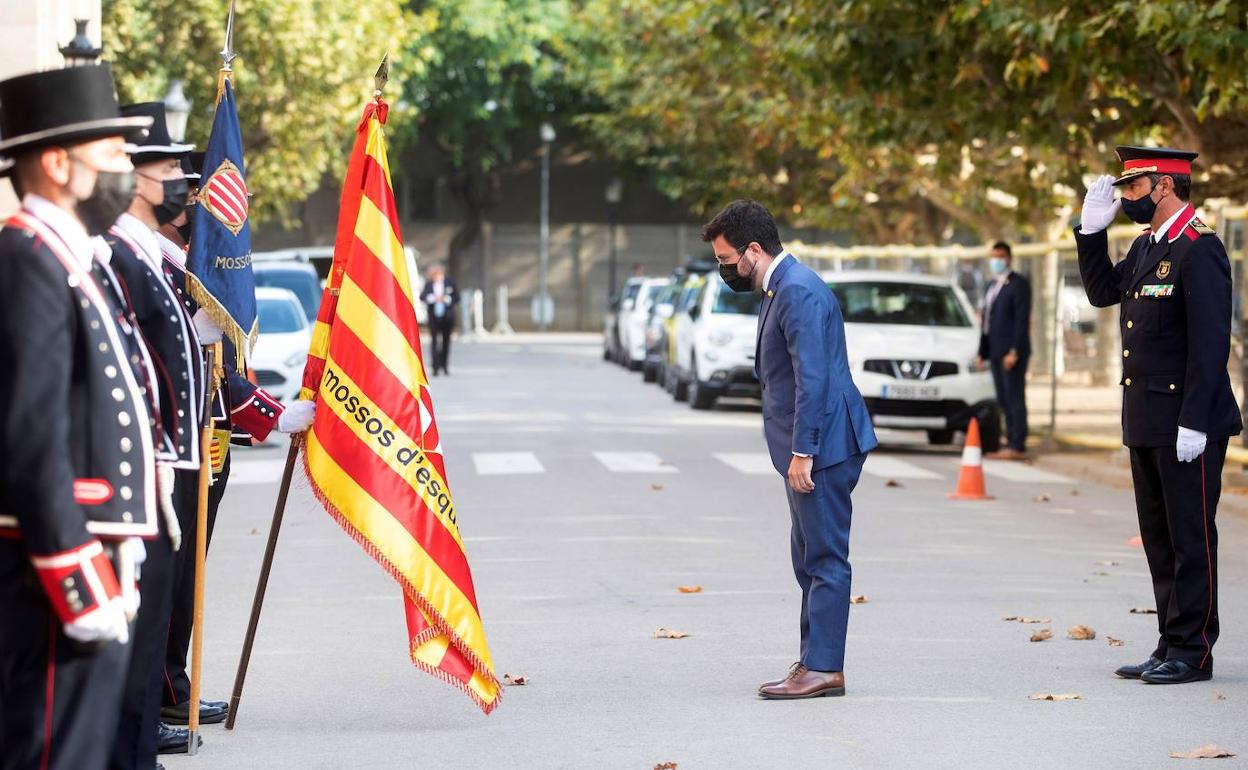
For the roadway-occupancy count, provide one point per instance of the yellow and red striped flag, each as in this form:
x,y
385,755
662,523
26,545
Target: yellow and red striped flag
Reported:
x,y
373,454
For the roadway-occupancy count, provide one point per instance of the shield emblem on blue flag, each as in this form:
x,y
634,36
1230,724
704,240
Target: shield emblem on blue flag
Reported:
x,y
219,259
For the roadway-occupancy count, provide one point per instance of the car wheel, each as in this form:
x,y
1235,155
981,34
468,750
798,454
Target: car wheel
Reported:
x,y
990,427
634,365
606,353
649,372
699,398
680,391
940,437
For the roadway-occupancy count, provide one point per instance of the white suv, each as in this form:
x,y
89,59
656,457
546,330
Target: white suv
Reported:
x,y
912,342
715,344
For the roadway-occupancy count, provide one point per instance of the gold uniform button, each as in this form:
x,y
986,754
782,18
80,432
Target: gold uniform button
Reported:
x,y
1172,386
1128,382
1130,324
1126,354
1137,295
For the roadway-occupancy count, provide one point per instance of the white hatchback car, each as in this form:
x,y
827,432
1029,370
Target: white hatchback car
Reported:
x,y
635,317
912,342
715,341
282,346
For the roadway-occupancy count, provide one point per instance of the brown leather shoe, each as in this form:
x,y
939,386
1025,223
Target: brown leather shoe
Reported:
x,y
804,683
1007,453
793,669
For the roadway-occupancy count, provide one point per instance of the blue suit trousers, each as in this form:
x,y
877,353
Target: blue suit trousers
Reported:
x,y
820,547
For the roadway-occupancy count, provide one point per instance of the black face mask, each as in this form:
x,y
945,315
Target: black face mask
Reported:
x,y
734,279
1140,210
112,194
174,202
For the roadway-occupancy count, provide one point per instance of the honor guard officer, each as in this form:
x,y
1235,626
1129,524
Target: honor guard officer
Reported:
x,y
242,410
161,193
1178,410
77,485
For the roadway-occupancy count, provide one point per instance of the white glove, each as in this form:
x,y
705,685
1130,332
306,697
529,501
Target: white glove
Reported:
x,y
296,417
1191,444
164,485
131,553
104,624
209,332
1099,206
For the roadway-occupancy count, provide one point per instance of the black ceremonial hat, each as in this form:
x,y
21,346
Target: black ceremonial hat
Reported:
x,y
158,145
1137,161
193,166
62,107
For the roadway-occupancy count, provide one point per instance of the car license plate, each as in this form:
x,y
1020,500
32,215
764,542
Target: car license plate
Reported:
x,y
911,392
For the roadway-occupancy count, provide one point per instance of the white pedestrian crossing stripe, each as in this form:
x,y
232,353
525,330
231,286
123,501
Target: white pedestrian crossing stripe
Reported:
x,y
634,462
750,463
887,466
262,471
1013,471
506,463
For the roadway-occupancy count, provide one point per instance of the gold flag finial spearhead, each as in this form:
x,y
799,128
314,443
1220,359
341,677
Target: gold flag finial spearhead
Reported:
x,y
383,75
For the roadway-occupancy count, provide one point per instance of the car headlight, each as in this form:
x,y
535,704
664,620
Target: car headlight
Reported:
x,y
719,337
296,359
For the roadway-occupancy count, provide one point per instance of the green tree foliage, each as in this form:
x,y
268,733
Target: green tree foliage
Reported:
x,y
897,118
303,73
487,83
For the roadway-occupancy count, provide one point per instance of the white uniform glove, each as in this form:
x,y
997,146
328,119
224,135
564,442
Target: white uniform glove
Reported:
x,y
104,624
296,417
1099,206
1191,444
209,332
164,485
131,553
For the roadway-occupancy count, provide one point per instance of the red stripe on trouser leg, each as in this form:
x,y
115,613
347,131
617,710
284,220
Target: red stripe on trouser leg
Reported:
x,y
48,700
1204,514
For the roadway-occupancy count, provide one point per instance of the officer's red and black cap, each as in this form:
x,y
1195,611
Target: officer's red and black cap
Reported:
x,y
62,108
1138,161
158,145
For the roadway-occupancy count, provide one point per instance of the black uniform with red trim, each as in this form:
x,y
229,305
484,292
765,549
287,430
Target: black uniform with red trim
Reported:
x,y
77,478
239,406
1174,292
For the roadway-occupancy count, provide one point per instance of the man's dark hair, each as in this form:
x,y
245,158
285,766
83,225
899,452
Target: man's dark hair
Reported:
x,y
1182,185
742,222
1003,246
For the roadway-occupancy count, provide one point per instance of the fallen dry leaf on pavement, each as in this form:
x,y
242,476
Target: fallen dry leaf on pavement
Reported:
x,y
1114,642
1042,498
1056,696
1143,611
1022,619
656,487
1211,751
1074,493
860,599
1081,633
515,681
689,589
1101,574
667,633
1042,635
893,483
665,766
1219,696
254,531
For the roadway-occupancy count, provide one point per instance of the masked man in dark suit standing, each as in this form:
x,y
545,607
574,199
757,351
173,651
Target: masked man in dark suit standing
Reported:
x,y
816,425
1006,345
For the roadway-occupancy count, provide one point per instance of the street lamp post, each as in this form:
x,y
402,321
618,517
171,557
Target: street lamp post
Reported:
x,y
613,194
542,305
177,110
80,52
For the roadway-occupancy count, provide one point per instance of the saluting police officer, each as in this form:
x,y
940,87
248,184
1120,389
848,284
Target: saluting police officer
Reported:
x,y
161,192
77,482
1178,410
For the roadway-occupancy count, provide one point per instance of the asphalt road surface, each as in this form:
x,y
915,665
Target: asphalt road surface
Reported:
x,y
586,498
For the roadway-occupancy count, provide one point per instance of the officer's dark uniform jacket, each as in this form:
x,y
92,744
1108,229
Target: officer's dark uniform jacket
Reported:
x,y
75,433
1175,316
240,404
166,330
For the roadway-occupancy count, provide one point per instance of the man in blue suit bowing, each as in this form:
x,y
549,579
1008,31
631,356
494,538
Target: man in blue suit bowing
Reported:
x,y
816,425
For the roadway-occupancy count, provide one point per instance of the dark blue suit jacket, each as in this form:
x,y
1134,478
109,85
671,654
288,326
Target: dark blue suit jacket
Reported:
x,y
810,403
1009,327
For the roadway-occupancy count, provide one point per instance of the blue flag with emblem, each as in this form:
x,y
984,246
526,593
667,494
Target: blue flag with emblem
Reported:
x,y
219,259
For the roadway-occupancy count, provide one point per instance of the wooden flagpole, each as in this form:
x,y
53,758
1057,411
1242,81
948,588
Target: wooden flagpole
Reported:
x,y
257,603
212,356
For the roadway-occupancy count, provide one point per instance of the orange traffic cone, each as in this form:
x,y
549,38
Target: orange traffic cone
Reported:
x,y
971,479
